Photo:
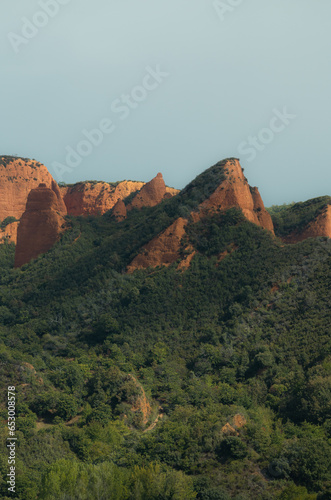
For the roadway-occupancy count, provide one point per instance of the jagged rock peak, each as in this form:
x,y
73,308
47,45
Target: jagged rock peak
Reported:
x,y
151,194
235,192
221,187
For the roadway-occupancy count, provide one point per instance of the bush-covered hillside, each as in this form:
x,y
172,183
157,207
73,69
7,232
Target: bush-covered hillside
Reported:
x,y
295,216
211,383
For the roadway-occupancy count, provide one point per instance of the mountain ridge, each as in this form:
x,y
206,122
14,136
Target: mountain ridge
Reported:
x,y
210,374
219,188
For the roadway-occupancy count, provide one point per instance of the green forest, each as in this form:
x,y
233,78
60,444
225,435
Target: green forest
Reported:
x,y
209,383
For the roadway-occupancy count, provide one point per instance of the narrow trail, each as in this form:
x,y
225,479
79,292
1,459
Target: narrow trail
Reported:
x,y
150,427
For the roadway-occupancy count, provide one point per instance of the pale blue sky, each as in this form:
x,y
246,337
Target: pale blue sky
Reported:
x,y
231,70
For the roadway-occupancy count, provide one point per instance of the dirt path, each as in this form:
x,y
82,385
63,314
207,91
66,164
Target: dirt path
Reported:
x,y
161,415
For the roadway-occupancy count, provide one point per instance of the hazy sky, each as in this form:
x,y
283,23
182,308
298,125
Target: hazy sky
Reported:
x,y
172,86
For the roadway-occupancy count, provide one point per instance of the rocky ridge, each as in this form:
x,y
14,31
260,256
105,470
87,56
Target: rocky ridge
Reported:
x,y
319,226
233,192
96,198
18,176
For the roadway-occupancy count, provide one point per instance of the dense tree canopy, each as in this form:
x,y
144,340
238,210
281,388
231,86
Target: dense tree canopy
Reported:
x,y
208,383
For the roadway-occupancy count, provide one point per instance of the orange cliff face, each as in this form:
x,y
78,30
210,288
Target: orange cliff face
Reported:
x,y
261,213
40,226
162,250
320,226
234,191
89,198
60,203
18,176
96,198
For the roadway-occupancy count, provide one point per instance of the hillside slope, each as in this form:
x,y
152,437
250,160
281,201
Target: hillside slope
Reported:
x,y
299,221
206,381
231,191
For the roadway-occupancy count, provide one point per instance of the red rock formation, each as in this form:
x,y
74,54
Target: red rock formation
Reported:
x,y
235,191
18,176
151,194
263,216
119,210
96,198
89,198
141,403
60,203
320,226
40,225
162,250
